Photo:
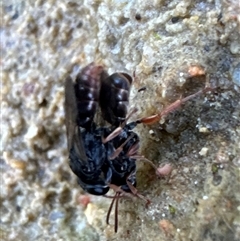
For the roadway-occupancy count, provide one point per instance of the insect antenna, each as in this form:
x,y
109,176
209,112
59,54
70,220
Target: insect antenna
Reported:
x,y
110,209
116,197
116,213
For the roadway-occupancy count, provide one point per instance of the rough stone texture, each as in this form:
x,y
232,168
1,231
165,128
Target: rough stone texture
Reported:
x,y
175,47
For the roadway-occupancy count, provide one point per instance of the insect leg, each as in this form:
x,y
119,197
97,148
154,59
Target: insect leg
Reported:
x,y
133,150
139,157
110,209
116,212
135,192
115,198
154,118
112,135
120,190
118,130
119,193
120,148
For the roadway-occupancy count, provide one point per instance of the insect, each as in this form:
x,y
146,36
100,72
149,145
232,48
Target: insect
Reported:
x,y
104,157
87,153
124,143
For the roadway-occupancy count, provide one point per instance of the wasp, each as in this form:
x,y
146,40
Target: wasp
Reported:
x,y
104,157
87,154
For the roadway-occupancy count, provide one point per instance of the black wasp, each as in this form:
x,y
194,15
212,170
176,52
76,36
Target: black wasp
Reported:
x,y
104,157
100,156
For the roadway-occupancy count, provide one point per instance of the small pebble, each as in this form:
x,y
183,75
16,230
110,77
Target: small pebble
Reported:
x,y
203,129
205,197
203,151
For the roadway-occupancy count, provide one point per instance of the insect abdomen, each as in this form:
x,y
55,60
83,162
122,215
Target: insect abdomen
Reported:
x,y
87,89
114,97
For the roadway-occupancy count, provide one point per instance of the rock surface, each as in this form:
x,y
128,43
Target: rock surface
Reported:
x,y
175,48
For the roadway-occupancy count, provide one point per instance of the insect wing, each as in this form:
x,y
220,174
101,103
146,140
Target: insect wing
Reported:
x,y
74,138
